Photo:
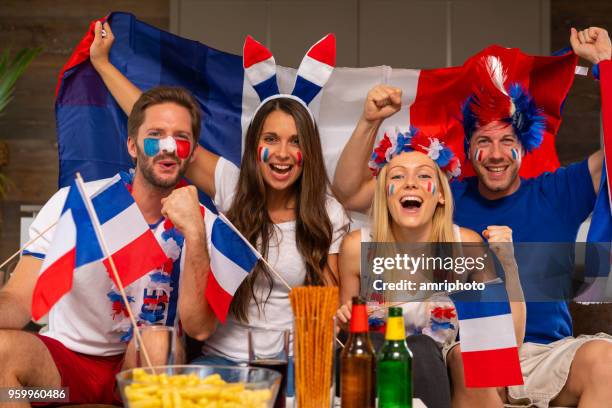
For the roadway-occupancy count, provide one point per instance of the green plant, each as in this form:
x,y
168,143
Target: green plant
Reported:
x,y
10,70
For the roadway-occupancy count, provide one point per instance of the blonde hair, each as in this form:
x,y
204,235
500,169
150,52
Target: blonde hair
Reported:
x,y
442,222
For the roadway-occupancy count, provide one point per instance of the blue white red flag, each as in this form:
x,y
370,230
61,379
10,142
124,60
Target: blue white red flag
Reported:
x,y
74,246
76,243
131,243
231,261
488,341
91,127
598,254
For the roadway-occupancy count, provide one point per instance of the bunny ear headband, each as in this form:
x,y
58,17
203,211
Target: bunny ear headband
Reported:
x,y
312,74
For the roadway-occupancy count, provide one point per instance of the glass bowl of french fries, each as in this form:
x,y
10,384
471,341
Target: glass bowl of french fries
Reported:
x,y
198,386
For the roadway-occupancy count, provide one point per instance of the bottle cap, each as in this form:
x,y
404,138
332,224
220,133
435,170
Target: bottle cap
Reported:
x,y
359,316
396,312
395,324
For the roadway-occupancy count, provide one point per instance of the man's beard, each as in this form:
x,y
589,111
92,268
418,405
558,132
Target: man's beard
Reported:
x,y
146,164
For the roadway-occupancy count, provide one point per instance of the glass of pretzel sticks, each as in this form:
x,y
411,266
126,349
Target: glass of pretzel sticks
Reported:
x,y
198,386
314,308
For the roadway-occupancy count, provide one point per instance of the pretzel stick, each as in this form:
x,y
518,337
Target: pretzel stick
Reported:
x,y
27,244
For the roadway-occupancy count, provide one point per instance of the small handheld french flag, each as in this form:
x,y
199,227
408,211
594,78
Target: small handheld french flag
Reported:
x,y
488,341
126,232
231,261
75,244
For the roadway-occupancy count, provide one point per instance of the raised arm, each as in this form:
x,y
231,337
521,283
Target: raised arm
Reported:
x,y
125,93
592,44
16,295
500,242
353,183
201,171
183,209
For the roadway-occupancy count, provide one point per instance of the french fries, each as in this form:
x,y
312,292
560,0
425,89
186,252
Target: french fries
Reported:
x,y
191,391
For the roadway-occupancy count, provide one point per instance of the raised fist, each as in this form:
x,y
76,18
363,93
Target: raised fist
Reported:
x,y
382,101
592,44
500,242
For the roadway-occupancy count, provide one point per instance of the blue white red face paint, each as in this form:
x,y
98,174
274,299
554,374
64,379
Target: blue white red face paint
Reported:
x,y
263,154
154,146
516,155
390,189
478,154
430,187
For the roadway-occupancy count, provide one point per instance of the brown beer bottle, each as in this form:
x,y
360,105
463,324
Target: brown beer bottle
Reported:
x,y
358,362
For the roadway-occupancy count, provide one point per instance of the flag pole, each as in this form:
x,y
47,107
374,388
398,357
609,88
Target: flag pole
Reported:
x,y
27,244
107,254
228,222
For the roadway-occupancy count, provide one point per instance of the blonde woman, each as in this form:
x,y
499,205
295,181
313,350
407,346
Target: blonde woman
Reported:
x,y
413,204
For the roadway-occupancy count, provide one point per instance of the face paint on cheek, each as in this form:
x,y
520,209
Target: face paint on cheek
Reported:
x,y
183,148
516,155
151,146
431,187
478,155
299,159
263,154
390,190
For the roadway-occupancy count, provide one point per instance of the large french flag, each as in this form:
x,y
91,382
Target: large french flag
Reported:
x,y
488,342
76,243
91,127
598,251
231,261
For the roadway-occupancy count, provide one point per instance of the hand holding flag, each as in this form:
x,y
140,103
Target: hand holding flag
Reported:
x,y
231,256
101,45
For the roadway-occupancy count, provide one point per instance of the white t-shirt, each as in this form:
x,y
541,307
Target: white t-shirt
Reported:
x,y
436,317
90,319
230,340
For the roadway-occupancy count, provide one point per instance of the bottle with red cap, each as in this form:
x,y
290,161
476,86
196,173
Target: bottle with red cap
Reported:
x,y
358,362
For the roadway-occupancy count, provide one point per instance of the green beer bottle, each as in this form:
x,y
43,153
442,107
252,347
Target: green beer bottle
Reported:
x,y
394,369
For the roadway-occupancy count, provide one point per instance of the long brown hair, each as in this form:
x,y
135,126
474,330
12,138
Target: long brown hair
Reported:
x,y
249,213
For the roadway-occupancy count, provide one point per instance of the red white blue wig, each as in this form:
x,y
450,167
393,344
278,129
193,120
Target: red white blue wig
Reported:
x,y
313,73
414,140
493,101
